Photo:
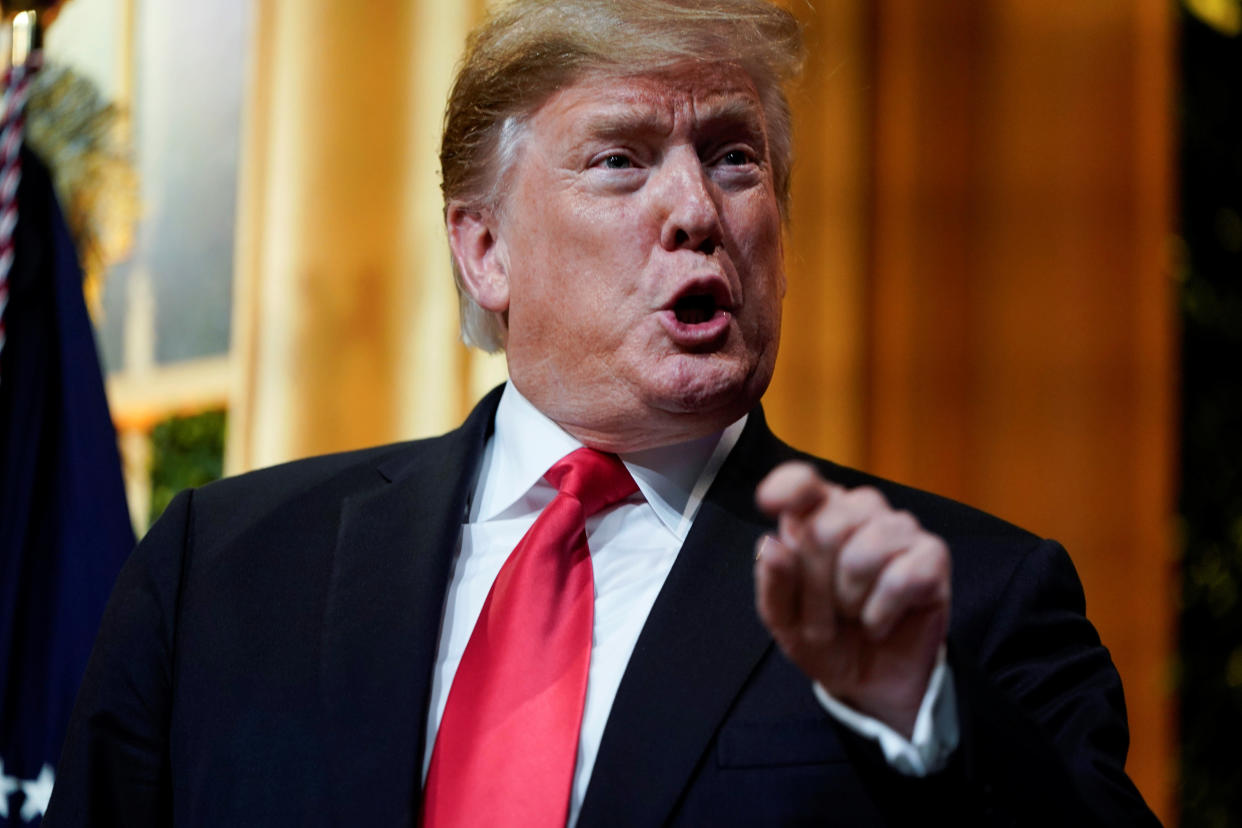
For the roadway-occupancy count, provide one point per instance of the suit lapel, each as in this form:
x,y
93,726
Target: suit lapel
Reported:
x,y
699,644
381,628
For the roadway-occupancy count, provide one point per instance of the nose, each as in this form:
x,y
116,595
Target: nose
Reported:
x,y
691,215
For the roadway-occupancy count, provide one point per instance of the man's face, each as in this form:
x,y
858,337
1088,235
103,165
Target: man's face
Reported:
x,y
641,240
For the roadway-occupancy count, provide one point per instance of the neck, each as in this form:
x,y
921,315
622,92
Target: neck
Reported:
x,y
623,429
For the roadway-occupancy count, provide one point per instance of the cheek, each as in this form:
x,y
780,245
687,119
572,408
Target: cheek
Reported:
x,y
604,256
608,229
761,249
761,261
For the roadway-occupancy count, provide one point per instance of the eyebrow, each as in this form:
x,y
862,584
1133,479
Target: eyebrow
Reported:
x,y
724,113
621,123
736,112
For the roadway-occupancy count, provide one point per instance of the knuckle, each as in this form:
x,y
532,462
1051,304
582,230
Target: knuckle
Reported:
x,y
934,550
800,474
926,578
868,498
854,568
826,528
905,521
897,524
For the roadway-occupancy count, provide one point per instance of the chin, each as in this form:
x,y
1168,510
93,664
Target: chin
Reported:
x,y
720,389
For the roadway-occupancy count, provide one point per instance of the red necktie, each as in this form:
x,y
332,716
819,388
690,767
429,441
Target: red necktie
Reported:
x,y
505,751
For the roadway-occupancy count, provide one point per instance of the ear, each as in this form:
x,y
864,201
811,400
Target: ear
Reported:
x,y
480,255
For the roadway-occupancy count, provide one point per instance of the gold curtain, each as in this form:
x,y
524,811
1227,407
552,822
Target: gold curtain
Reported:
x,y
1021,315
345,328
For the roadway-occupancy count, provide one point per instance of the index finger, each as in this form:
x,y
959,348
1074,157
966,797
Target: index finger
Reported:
x,y
795,488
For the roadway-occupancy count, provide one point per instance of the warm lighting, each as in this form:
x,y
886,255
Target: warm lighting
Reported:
x,y
24,24
1223,15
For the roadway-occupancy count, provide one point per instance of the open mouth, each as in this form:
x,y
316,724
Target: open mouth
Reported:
x,y
695,309
700,315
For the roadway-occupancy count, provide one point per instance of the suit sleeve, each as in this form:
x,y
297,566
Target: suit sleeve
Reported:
x,y
1042,717
114,769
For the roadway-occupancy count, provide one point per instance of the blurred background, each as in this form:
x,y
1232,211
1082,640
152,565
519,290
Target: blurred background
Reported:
x,y
1015,263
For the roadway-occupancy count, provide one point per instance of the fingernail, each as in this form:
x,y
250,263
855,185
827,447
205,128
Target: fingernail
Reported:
x,y
763,545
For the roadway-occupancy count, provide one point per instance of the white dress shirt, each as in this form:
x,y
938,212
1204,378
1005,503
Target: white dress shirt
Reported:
x,y
633,546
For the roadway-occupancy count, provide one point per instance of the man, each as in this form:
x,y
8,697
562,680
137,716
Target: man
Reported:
x,y
769,638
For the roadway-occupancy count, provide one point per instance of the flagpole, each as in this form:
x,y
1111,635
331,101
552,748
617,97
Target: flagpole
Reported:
x,y
22,59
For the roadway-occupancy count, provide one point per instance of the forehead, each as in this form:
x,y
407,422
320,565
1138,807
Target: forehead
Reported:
x,y
694,93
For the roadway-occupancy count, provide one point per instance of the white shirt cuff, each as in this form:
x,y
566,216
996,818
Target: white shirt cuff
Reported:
x,y
936,732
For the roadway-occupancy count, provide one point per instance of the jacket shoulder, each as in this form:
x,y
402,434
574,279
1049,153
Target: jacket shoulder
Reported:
x,y
760,451
317,485
267,490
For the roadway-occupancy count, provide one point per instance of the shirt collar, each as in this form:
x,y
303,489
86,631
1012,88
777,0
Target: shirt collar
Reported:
x,y
525,444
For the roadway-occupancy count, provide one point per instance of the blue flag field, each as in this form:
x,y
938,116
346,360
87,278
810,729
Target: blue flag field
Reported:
x,y
64,526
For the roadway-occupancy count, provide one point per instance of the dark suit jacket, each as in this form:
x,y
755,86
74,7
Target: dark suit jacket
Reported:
x,y
266,659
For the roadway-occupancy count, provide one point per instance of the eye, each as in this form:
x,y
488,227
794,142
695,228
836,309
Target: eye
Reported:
x,y
736,157
616,161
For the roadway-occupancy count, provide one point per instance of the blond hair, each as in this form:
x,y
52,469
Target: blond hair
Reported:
x,y
530,49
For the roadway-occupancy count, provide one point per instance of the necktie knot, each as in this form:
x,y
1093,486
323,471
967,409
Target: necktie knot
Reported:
x,y
593,478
